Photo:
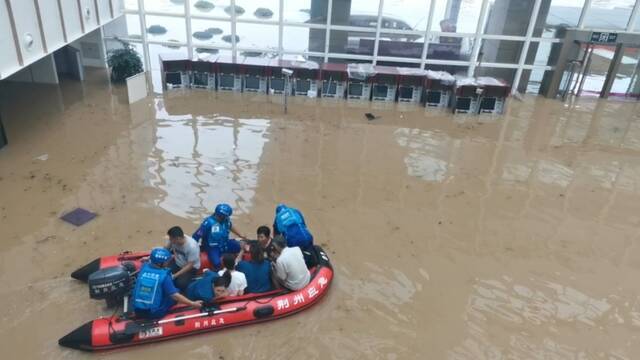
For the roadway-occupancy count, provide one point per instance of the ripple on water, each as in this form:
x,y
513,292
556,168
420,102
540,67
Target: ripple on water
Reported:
x,y
538,304
428,153
383,291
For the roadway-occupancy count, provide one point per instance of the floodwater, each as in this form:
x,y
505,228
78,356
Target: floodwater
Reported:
x,y
492,237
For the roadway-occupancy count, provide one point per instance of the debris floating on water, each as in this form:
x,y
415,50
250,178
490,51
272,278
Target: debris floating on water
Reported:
x,y
78,216
370,116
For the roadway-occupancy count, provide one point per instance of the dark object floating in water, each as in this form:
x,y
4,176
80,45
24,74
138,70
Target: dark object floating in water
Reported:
x,y
203,5
227,38
214,31
370,116
239,10
263,13
207,51
202,35
78,216
252,53
157,30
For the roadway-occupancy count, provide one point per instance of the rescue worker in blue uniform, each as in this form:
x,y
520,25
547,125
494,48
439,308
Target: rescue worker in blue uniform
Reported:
x,y
214,233
290,223
155,293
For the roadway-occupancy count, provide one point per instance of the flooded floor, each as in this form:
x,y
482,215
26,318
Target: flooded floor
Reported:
x,y
510,237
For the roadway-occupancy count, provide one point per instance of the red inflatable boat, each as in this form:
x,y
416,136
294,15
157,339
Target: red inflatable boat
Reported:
x,y
119,331
127,257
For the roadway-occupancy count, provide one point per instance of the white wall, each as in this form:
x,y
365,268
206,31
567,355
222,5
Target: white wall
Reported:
x,y
51,24
41,33
89,14
27,27
118,7
8,56
104,11
70,14
42,71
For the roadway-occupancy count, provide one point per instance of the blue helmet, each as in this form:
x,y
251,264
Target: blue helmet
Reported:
x,y
224,210
280,207
160,256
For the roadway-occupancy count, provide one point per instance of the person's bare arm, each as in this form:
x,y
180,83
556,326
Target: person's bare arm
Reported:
x,y
235,231
278,275
240,255
184,269
274,281
184,300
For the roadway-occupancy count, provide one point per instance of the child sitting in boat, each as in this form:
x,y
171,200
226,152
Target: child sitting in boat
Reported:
x,y
263,240
238,280
264,236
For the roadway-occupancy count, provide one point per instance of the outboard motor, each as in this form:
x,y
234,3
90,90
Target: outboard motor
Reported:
x,y
111,284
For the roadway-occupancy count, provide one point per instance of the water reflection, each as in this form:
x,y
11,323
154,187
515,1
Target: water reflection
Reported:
x,y
535,303
428,157
198,161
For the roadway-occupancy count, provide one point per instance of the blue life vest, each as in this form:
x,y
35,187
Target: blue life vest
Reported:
x,y
148,294
219,234
290,223
286,218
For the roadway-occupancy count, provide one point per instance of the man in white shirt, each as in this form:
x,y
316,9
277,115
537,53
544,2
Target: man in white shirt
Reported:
x,y
186,257
289,268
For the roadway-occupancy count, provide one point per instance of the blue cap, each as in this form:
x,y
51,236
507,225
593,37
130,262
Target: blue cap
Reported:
x,y
280,207
160,256
223,210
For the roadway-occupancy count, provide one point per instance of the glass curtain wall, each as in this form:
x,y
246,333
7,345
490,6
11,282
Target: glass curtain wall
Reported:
x,y
515,40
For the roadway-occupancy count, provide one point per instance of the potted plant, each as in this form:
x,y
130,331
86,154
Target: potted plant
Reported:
x,y
124,62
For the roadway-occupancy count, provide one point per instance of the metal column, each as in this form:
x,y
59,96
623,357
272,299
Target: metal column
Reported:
x,y
586,66
613,70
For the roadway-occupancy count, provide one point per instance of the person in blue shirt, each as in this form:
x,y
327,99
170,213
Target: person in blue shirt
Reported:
x,y
214,233
290,223
155,293
257,271
210,286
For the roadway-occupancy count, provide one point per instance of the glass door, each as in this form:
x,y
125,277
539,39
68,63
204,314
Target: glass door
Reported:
x,y
596,69
626,82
